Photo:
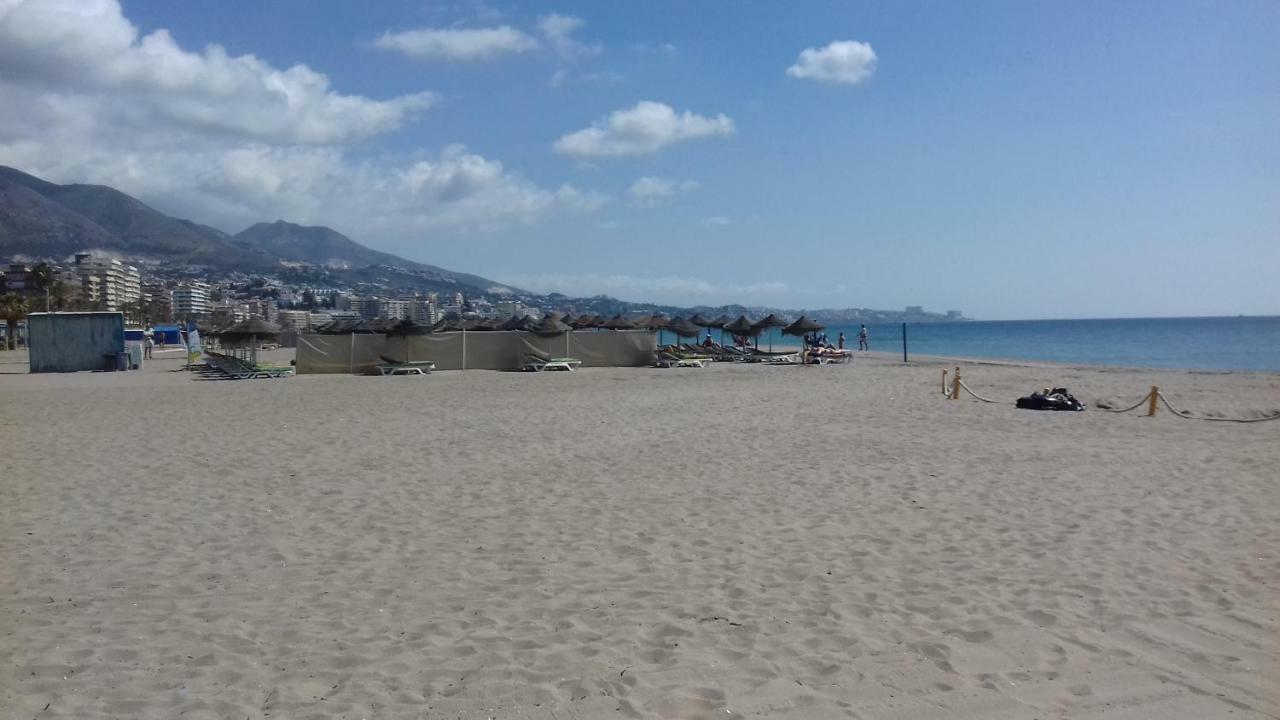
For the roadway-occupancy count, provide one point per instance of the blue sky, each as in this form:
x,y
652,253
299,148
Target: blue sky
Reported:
x,y
1013,160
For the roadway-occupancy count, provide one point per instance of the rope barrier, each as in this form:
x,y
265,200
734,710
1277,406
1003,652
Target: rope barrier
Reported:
x,y
971,392
952,391
1188,416
1135,406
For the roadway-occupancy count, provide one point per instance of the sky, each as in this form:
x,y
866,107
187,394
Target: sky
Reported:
x,y
1008,159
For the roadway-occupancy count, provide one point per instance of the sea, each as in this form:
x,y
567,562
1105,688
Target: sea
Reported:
x,y
1205,343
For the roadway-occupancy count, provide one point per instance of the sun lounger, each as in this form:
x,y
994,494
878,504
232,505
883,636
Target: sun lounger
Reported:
x,y
827,357
775,358
397,367
670,360
533,363
237,369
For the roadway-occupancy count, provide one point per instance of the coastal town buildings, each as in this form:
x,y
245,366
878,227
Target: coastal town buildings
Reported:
x,y
191,299
296,320
18,278
117,283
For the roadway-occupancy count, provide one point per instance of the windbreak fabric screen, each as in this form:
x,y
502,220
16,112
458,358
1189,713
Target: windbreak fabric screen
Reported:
x,y
492,350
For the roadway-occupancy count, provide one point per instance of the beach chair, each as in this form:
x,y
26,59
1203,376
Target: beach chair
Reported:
x,y
831,357
775,358
670,360
236,369
391,367
534,363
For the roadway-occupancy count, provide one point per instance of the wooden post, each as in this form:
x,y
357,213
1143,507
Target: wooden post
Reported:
x,y
944,382
904,342
1151,401
955,386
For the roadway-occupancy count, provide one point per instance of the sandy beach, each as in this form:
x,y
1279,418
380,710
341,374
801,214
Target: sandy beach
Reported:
x,y
777,542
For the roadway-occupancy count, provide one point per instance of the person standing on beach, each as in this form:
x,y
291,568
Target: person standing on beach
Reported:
x,y
862,339
840,340
148,340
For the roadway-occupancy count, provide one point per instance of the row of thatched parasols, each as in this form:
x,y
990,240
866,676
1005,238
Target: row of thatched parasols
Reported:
x,y
252,332
554,324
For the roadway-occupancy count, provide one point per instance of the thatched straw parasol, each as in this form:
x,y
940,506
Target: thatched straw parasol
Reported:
x,y
742,327
550,326
617,322
249,333
720,322
407,329
682,328
803,326
768,322
586,321
518,322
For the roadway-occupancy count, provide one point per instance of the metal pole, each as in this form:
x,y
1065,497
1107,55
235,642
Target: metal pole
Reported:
x,y
904,342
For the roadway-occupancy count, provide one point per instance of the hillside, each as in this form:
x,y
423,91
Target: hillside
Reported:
x,y
41,219
329,248
31,223
66,219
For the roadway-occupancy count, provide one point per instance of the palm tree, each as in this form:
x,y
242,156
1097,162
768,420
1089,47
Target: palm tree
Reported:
x,y
61,292
13,308
42,279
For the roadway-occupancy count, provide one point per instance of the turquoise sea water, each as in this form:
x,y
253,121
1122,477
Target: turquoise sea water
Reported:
x,y
1217,343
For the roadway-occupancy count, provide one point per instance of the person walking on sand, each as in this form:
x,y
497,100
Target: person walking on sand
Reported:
x,y
862,339
148,340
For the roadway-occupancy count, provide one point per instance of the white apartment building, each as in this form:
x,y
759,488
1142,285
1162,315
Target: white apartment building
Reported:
x,y
421,309
507,308
393,309
117,283
296,320
366,307
190,299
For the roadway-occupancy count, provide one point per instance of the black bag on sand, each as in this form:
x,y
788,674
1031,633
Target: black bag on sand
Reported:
x,y
1055,399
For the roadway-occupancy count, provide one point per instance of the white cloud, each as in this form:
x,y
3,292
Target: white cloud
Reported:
x,y
232,140
74,56
459,44
640,130
844,61
558,31
665,48
562,77
715,221
650,191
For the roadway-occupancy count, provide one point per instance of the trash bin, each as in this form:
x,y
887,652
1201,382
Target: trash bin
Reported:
x,y
122,361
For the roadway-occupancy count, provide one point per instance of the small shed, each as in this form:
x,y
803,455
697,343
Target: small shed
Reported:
x,y
75,341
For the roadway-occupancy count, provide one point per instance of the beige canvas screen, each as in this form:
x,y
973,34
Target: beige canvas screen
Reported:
x,y
361,354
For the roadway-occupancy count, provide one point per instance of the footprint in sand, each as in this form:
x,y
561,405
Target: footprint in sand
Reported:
x,y
1042,618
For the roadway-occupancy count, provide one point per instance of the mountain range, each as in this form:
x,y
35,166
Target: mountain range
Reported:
x,y
45,220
